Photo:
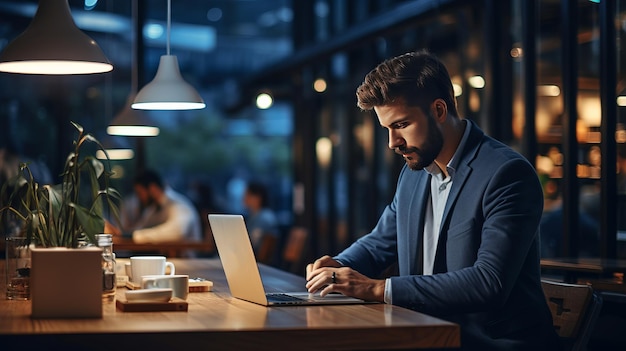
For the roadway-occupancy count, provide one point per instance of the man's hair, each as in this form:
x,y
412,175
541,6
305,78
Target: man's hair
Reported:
x,y
419,77
259,189
148,177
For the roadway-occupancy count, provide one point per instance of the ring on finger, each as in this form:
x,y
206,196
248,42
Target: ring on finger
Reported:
x,y
334,278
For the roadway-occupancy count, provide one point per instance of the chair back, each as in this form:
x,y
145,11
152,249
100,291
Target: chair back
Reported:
x,y
575,309
265,253
294,249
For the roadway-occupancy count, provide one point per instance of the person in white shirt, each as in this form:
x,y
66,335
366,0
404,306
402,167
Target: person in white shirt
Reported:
x,y
158,213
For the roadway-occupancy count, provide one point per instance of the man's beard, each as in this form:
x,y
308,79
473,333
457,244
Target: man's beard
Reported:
x,y
429,151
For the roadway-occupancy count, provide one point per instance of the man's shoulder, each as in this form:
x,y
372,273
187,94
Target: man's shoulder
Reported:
x,y
496,152
482,148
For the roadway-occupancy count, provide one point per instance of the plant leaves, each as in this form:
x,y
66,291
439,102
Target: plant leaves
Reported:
x,y
91,222
60,215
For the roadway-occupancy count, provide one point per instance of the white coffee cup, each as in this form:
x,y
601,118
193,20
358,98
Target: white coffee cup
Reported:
x,y
128,271
179,284
149,265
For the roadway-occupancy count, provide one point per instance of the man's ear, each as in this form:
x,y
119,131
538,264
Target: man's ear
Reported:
x,y
441,109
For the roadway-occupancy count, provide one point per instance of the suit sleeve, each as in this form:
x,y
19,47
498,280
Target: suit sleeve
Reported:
x,y
376,251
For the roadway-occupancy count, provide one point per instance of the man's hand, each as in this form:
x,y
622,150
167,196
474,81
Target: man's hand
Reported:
x,y
326,275
324,261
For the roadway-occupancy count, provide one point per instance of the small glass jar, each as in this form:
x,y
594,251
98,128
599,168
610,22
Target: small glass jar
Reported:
x,y
105,241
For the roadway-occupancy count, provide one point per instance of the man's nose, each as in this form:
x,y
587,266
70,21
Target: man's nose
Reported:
x,y
394,140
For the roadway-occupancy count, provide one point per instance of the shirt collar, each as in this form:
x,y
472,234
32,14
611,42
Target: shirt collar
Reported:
x,y
433,169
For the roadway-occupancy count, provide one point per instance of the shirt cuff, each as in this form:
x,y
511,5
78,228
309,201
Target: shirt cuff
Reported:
x,y
387,297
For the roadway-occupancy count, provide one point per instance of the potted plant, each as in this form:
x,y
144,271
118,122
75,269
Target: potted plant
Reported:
x,y
60,221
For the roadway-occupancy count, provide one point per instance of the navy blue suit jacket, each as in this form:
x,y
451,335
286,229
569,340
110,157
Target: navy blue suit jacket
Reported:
x,y
486,273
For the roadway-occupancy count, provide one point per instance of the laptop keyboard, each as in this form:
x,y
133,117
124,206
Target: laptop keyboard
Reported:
x,y
283,298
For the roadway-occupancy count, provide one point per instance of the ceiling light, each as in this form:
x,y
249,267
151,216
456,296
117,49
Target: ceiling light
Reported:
x,y
319,85
130,122
115,154
168,90
264,101
52,44
548,90
458,89
477,82
114,148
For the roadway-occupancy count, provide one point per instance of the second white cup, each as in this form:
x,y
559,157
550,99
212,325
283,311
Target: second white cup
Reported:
x,y
178,283
149,265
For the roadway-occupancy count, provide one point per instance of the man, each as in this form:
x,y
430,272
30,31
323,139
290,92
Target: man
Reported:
x,y
462,226
159,214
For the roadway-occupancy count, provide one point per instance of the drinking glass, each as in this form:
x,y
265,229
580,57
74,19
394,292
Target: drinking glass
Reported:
x,y
17,268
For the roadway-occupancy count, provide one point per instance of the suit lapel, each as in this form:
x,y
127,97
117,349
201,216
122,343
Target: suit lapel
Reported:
x,y
463,172
416,212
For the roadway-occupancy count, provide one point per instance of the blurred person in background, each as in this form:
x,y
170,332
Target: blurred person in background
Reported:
x,y
157,213
260,218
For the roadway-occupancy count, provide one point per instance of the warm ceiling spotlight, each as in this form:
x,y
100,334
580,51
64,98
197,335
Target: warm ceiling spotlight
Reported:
x,y
319,85
477,82
548,90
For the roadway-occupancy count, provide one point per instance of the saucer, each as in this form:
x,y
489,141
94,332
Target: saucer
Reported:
x,y
149,295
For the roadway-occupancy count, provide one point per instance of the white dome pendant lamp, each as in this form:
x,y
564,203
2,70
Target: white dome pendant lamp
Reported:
x,y
53,44
168,90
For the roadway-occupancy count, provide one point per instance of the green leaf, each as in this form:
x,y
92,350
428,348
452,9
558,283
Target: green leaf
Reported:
x,y
96,164
91,222
77,126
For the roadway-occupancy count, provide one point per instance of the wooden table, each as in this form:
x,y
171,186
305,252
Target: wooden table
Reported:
x,y
596,266
217,321
604,275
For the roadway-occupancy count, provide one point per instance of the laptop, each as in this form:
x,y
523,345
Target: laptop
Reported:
x,y
242,272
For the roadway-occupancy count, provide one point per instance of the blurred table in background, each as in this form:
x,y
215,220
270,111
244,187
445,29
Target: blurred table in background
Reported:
x,y
126,247
602,274
170,249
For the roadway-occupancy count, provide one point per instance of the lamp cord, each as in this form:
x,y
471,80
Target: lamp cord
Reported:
x,y
169,24
134,76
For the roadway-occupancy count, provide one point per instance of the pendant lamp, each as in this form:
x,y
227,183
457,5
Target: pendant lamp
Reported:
x,y
114,149
168,90
53,44
130,122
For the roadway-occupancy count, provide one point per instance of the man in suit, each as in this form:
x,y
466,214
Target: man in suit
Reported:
x,y
462,226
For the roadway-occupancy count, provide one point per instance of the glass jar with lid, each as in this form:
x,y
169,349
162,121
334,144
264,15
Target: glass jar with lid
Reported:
x,y
105,241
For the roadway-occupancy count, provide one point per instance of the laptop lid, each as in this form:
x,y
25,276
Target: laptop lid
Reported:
x,y
237,257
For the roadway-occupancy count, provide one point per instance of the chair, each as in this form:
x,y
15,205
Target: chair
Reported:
x,y
265,253
575,309
294,248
